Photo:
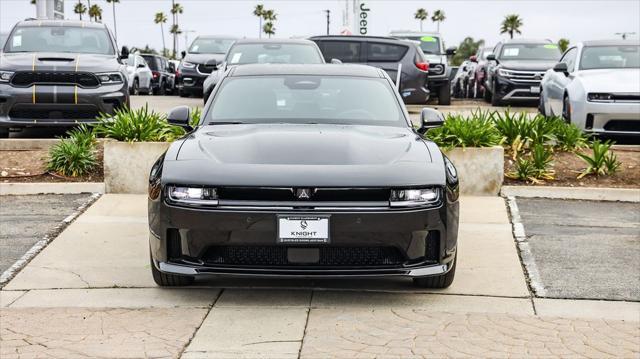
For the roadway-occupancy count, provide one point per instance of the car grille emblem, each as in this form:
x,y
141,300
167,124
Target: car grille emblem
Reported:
x,y
304,224
303,193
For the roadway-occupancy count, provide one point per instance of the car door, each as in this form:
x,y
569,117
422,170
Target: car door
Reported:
x,y
491,68
144,73
558,81
386,56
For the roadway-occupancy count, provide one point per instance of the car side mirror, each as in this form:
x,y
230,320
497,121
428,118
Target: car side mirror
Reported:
x,y
180,116
561,67
172,67
183,53
491,57
124,53
336,61
212,64
473,58
430,118
451,51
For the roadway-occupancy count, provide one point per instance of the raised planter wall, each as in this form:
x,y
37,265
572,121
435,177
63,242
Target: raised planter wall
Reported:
x,y
480,169
127,165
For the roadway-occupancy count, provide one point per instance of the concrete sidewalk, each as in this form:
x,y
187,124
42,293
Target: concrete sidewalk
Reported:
x,y
90,293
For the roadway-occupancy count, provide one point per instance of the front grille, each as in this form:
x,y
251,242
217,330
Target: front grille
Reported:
x,y
315,194
528,77
623,125
277,256
202,68
624,97
53,112
28,78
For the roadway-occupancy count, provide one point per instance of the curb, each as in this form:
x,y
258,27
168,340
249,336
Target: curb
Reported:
x,y
21,144
583,193
51,188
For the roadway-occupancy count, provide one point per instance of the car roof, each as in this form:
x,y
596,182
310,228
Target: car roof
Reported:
x,y
613,42
356,37
275,41
61,23
350,70
221,37
527,41
414,33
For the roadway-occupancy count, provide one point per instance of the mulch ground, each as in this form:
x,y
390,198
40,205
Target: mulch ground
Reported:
x,y
568,167
31,166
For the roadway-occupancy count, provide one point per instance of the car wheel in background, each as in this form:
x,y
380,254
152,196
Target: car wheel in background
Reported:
x,y
4,133
169,280
161,89
444,94
438,281
183,93
135,89
495,100
566,109
541,108
486,95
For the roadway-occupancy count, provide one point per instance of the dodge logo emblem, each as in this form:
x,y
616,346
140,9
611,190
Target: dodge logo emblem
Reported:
x,y
303,193
304,224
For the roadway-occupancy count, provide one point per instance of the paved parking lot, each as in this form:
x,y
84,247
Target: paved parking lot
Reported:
x,y
584,249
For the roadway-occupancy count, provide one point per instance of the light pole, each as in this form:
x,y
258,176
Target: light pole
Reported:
x,y
328,19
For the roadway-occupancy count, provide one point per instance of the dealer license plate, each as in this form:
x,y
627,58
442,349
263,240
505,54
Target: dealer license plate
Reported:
x,y
535,89
303,229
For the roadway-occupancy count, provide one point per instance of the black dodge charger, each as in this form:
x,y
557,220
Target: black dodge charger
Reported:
x,y
304,171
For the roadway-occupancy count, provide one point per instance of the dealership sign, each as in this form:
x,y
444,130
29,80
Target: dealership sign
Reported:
x,y
364,13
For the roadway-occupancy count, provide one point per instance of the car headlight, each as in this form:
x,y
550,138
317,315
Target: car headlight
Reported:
x,y
188,65
109,78
414,197
5,76
503,72
600,97
193,196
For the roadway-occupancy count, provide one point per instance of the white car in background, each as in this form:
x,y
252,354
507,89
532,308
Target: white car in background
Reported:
x,y
596,86
139,75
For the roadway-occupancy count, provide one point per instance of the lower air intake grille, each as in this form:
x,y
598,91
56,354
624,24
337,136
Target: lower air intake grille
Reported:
x,y
623,125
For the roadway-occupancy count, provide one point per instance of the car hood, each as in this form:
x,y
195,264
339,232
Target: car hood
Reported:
x,y
304,155
610,80
203,58
537,65
59,61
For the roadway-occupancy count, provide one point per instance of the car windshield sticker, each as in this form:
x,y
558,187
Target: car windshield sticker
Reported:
x,y
281,103
236,57
551,46
17,41
428,39
514,51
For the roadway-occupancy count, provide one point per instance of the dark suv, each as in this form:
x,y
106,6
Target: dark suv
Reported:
x,y
386,53
59,73
199,61
515,69
162,74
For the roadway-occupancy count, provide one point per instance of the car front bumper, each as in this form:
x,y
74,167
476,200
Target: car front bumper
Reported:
x,y
508,90
58,105
613,118
191,80
425,241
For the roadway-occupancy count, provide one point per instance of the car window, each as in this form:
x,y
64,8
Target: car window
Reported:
x,y
569,58
428,44
530,52
345,51
385,52
82,40
210,46
273,53
140,60
610,57
152,62
306,99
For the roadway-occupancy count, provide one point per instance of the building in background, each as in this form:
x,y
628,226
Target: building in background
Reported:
x,y
50,9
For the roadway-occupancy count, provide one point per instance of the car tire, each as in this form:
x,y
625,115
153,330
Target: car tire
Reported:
x,y
4,133
495,99
183,93
135,89
438,281
541,108
169,280
566,109
486,95
444,94
161,89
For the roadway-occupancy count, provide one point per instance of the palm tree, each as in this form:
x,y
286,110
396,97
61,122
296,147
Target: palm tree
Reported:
x,y
80,9
511,24
259,11
161,19
563,44
113,8
269,29
438,17
269,17
176,9
421,15
95,12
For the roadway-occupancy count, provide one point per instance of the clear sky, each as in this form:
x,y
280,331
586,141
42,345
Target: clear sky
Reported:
x,y
573,19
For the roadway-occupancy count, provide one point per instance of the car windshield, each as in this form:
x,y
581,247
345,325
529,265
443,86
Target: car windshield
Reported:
x,y
60,39
210,46
152,61
485,53
273,54
429,44
530,52
306,99
610,57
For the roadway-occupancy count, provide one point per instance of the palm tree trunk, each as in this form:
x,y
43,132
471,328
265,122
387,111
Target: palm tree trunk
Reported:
x,y
163,45
260,29
511,33
89,8
438,26
173,2
420,25
115,29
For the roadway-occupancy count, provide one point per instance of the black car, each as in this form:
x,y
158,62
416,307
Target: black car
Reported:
x,y
59,73
386,53
198,62
162,74
304,171
264,51
516,68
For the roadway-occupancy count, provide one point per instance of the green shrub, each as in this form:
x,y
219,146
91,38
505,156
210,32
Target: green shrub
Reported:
x,y
536,167
195,115
601,161
76,155
569,137
460,131
513,126
137,126
524,171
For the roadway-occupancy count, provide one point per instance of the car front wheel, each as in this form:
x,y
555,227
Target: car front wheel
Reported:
x,y
169,280
438,281
444,94
566,109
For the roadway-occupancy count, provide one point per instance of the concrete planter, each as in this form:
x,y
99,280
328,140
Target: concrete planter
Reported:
x,y
480,169
127,165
